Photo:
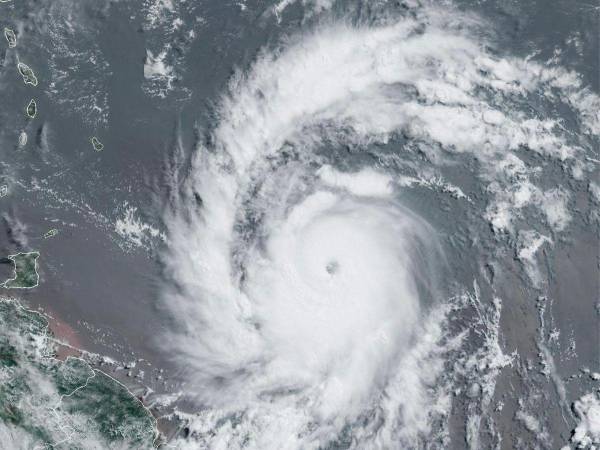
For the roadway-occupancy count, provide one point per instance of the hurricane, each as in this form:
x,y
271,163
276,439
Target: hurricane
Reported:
x,y
332,282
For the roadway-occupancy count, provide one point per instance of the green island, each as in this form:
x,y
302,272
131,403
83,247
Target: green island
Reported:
x,y
26,275
11,37
27,74
50,233
31,109
63,405
98,146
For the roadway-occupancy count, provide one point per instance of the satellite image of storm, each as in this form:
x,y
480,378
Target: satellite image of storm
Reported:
x,y
299,224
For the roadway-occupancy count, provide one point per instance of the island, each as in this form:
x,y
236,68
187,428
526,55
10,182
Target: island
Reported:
x,y
26,275
98,146
31,109
11,37
27,74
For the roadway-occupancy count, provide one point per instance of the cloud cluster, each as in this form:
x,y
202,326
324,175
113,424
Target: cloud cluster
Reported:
x,y
304,294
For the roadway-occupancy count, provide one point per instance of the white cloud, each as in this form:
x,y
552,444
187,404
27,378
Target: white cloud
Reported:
x,y
296,305
587,432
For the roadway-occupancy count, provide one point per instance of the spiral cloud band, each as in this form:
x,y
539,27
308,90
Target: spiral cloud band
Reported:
x,y
305,292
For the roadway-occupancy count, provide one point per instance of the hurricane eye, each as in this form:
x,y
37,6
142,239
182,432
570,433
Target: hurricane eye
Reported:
x,y
332,267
